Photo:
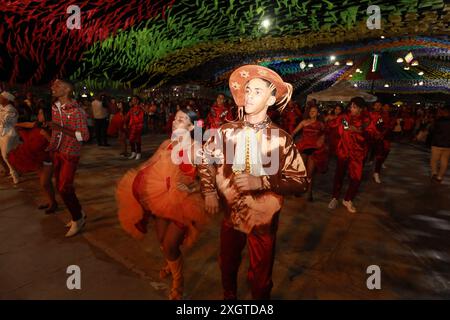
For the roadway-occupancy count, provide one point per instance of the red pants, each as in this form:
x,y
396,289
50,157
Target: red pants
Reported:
x,y
355,174
261,248
64,167
382,149
135,135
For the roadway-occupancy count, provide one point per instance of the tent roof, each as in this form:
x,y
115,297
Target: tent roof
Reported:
x,y
342,91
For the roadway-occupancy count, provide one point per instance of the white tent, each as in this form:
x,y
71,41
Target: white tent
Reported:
x,y
342,91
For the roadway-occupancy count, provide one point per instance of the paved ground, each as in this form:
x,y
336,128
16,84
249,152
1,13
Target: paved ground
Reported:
x,y
402,226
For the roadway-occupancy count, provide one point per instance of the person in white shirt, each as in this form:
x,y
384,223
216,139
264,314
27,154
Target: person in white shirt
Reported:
x,y
8,135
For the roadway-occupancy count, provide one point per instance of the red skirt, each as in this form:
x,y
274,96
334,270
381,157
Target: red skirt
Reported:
x,y
319,155
30,155
116,125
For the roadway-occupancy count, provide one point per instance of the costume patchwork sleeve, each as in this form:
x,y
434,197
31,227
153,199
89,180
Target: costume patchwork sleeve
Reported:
x,y
8,117
210,157
292,176
80,126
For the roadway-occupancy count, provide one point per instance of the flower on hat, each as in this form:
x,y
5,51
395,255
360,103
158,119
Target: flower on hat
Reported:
x,y
244,74
262,72
235,85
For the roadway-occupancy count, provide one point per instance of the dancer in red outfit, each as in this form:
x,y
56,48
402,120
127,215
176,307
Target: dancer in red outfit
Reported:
x,y
31,155
408,124
290,117
135,125
312,145
69,130
354,129
380,139
219,113
251,189
170,192
117,127
333,130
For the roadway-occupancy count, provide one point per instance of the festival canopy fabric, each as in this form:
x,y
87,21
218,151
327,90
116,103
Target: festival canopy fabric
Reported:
x,y
342,91
143,43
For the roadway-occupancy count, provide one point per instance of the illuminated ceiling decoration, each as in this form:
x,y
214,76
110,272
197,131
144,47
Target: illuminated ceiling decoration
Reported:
x,y
140,44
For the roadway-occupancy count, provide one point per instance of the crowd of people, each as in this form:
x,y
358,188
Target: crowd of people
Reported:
x,y
181,196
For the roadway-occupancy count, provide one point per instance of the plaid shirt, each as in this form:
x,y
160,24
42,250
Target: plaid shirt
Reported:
x,y
73,117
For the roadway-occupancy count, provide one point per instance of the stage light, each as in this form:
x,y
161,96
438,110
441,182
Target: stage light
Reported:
x,y
266,23
409,57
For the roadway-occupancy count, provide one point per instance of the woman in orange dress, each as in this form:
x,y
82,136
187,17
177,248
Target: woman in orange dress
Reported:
x,y
166,187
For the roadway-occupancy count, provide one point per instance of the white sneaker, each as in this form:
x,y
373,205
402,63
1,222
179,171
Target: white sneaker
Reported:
x,y
138,156
333,204
76,227
132,156
349,206
376,177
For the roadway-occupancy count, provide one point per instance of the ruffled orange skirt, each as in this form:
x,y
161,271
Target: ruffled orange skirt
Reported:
x,y
153,189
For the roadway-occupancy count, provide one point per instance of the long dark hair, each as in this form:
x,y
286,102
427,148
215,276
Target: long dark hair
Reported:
x,y
195,120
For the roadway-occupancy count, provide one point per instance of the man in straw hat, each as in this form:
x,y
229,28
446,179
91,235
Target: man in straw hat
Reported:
x,y
249,165
8,119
